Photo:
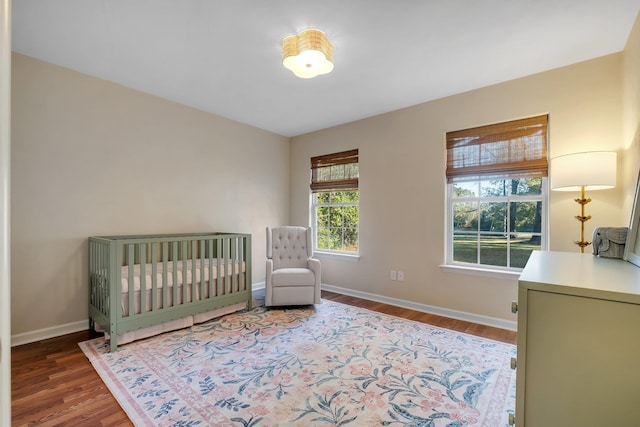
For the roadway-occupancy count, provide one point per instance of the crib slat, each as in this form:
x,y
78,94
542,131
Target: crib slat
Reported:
x,y
219,267
211,288
184,258
142,250
115,290
234,257
107,275
91,281
194,248
174,273
131,285
225,263
104,274
154,276
247,271
240,263
92,267
244,272
96,268
165,275
202,267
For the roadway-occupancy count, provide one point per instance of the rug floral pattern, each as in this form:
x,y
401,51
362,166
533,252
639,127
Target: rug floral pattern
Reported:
x,y
328,365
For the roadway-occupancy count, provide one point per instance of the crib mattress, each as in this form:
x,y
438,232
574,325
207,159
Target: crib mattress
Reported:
x,y
203,269
198,292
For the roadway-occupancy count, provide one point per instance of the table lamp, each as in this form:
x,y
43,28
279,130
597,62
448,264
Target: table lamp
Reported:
x,y
593,170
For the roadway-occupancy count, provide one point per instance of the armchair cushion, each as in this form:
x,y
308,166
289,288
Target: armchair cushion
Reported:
x,y
293,277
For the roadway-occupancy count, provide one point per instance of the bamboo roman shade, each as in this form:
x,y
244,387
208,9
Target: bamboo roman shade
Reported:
x,y
335,172
514,148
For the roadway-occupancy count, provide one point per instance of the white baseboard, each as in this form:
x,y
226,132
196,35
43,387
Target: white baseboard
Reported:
x,y
51,332
69,328
82,325
425,308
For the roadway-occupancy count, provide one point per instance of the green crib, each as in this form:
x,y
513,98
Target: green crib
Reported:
x,y
143,281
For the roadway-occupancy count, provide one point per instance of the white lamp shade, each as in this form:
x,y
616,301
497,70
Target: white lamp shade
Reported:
x,y
595,170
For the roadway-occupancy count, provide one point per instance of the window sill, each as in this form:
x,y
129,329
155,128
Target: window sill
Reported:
x,y
484,272
335,255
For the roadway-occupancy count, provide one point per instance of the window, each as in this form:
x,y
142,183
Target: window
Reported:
x,y
335,200
497,193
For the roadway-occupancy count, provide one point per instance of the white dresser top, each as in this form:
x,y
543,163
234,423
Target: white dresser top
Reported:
x,y
583,275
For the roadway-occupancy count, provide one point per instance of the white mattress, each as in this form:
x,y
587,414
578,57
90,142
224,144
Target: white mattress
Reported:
x,y
208,272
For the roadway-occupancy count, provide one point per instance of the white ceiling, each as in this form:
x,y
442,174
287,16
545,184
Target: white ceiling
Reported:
x,y
223,56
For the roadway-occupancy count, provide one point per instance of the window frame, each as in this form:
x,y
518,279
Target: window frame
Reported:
x,y
331,173
513,149
449,229
314,222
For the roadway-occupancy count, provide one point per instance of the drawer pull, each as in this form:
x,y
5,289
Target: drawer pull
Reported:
x,y
514,307
513,363
512,419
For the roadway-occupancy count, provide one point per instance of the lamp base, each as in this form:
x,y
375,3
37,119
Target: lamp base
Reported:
x,y
582,244
582,201
582,218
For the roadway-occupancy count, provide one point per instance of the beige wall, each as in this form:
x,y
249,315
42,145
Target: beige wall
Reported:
x,y
94,158
84,150
631,116
402,184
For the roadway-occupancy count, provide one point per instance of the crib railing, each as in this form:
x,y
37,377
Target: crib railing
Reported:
x,y
172,275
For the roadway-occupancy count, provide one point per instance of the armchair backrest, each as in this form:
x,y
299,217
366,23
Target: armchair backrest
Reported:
x,y
289,247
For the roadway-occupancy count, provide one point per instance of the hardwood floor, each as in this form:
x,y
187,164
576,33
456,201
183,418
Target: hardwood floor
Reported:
x,y
496,334
54,384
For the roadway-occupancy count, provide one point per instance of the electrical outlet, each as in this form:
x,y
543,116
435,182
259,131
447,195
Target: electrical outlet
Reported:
x,y
400,275
393,275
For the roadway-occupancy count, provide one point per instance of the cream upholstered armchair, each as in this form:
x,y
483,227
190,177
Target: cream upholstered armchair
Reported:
x,y
293,277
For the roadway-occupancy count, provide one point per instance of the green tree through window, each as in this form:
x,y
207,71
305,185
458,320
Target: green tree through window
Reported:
x,y
337,220
334,186
499,224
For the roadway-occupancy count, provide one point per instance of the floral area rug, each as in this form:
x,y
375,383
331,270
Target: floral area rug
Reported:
x,y
324,365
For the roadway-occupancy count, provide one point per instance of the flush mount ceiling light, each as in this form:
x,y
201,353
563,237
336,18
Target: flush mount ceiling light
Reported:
x,y
308,54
